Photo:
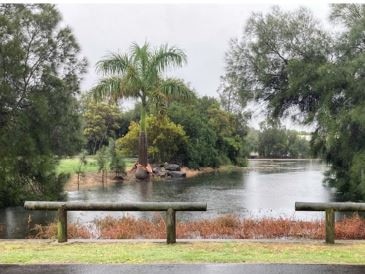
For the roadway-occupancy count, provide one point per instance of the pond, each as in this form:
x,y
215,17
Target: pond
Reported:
x,y
266,188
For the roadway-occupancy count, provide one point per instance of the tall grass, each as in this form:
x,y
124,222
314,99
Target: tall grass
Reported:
x,y
74,231
225,227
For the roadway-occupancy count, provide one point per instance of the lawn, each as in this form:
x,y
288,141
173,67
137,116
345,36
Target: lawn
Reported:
x,y
26,252
70,165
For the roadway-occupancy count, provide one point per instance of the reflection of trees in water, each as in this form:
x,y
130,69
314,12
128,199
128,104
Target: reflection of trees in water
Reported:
x,y
145,190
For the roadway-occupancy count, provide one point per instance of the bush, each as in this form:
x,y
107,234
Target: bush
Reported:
x,y
216,137
167,141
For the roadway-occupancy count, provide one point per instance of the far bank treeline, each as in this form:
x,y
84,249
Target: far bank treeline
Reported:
x,y
197,133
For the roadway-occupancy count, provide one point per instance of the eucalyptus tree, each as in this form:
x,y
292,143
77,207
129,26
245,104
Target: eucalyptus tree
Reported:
x,y
138,74
289,62
40,72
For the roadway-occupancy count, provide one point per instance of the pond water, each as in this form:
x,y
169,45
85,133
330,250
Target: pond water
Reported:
x,y
267,188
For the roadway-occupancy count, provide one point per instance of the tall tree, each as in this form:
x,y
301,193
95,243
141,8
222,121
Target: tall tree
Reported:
x,y
101,120
39,80
138,74
232,90
299,69
275,141
216,137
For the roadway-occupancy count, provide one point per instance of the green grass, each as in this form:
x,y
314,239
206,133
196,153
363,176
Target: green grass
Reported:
x,y
25,252
70,165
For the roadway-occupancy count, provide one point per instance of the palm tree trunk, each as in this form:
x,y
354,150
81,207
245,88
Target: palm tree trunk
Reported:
x,y
142,147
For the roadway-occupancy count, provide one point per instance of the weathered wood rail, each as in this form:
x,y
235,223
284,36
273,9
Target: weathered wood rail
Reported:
x,y
329,209
169,207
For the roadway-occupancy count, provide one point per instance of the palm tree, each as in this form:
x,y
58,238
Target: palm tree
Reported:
x,y
138,75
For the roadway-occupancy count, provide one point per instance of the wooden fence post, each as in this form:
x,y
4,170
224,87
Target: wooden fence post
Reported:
x,y
169,207
171,226
62,224
330,226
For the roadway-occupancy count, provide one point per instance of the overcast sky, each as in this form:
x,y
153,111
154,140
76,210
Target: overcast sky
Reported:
x,y
202,30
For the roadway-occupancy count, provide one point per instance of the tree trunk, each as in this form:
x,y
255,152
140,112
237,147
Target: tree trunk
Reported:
x,y
142,146
142,149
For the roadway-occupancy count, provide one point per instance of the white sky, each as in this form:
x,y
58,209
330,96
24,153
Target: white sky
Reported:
x,y
202,30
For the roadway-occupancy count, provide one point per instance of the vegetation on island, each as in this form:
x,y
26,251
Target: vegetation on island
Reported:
x,y
138,75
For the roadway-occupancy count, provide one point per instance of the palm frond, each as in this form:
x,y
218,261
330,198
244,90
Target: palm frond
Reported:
x,y
107,89
137,74
165,57
113,64
140,53
174,88
141,57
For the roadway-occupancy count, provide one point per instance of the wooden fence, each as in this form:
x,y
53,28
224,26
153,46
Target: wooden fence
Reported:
x,y
169,207
330,209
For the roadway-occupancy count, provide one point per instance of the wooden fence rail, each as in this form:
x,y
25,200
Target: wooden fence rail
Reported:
x,y
169,207
329,209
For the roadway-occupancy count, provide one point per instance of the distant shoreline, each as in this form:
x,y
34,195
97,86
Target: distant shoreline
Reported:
x,y
93,179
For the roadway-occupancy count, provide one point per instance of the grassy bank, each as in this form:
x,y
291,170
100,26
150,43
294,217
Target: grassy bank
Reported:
x,y
193,252
70,165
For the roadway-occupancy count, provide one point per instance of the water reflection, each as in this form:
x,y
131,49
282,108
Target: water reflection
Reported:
x,y
267,188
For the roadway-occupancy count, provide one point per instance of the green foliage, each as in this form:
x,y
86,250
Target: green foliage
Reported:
x,y
80,170
81,164
101,120
215,136
39,80
139,74
128,144
252,140
126,119
288,61
275,141
298,146
102,159
167,141
117,162
357,174
272,142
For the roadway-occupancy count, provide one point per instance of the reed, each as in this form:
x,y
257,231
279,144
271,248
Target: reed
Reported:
x,y
224,227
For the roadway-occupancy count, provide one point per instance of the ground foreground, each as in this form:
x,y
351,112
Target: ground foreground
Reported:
x,y
143,252
183,269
